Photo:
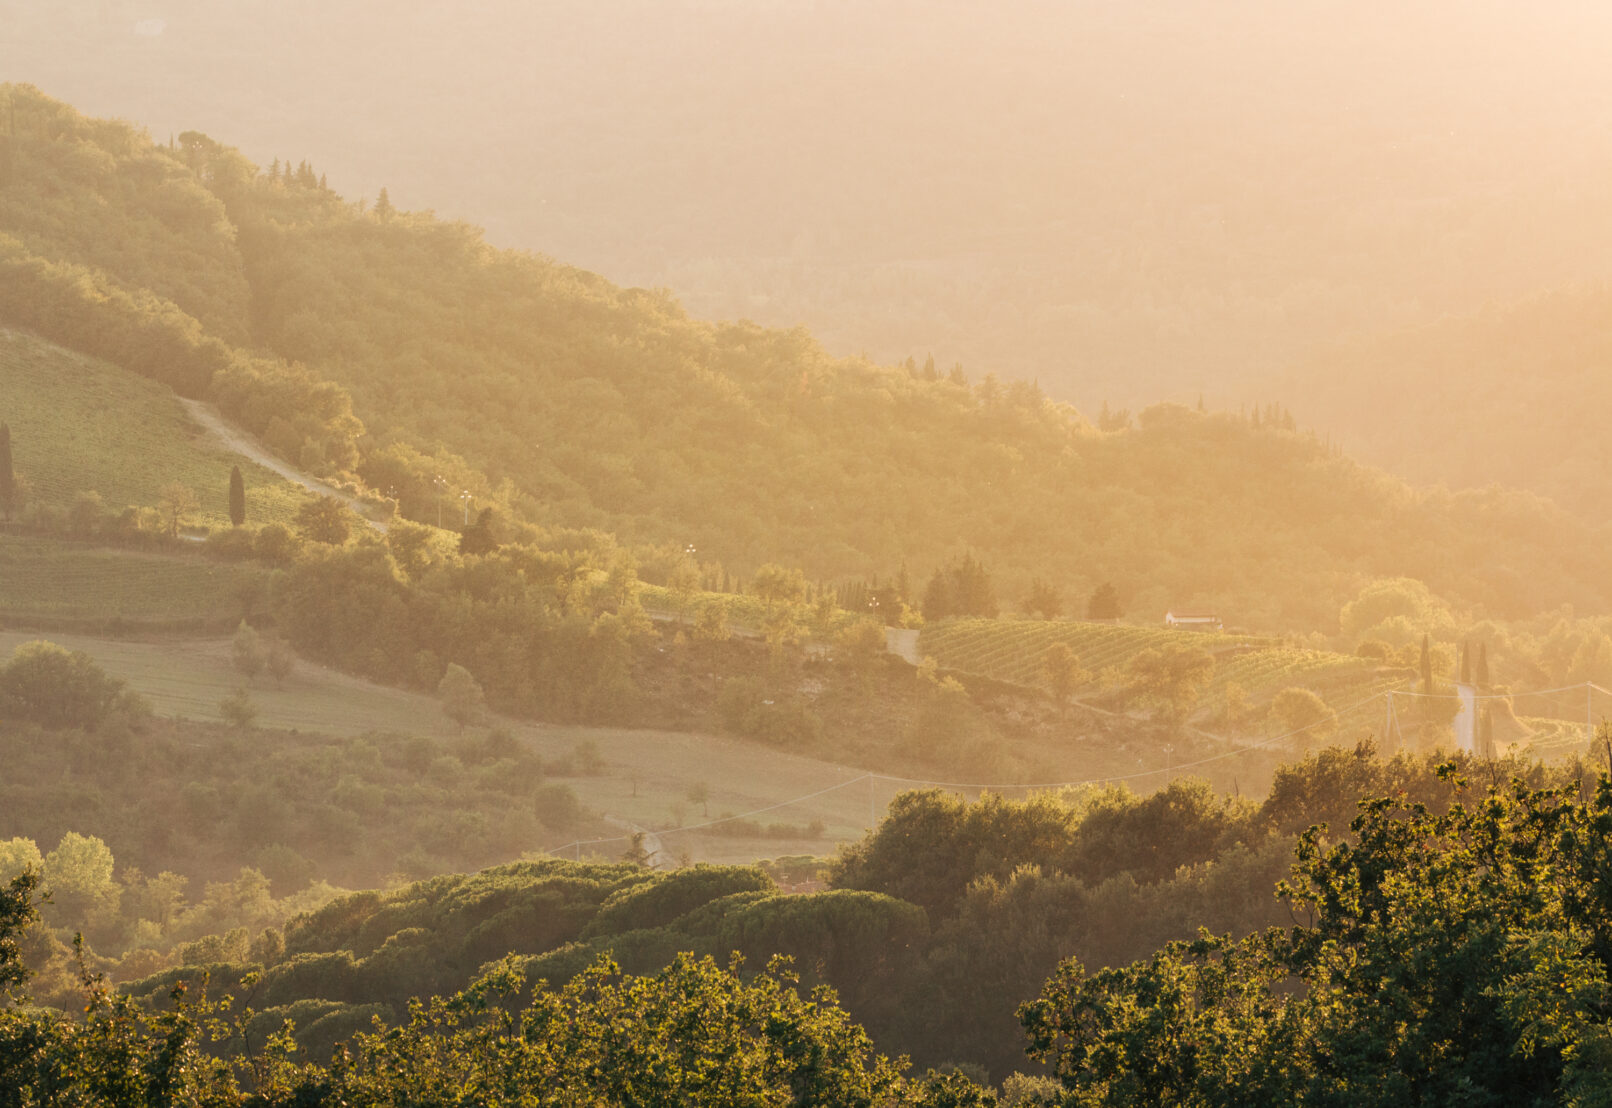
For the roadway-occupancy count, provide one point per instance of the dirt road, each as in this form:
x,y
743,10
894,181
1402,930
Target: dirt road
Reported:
x,y
233,438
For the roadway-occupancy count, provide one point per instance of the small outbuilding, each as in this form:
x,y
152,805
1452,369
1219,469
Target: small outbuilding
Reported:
x,y
1192,621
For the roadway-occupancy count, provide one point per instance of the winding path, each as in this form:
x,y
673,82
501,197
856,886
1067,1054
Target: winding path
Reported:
x,y
238,441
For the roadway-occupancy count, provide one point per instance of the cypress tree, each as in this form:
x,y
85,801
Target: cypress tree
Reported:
x,y
1427,666
237,497
8,481
1466,664
1482,673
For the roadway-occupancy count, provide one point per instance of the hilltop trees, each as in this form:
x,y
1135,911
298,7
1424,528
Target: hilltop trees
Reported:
x,y
1103,603
961,589
1043,600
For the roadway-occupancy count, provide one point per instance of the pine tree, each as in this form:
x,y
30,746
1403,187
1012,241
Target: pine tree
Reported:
x,y
383,206
8,480
237,497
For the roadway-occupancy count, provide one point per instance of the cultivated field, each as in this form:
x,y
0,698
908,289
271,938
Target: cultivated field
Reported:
x,y
78,425
54,583
1012,650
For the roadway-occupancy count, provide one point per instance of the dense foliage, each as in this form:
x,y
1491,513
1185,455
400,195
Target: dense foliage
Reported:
x,y
692,1033
1443,957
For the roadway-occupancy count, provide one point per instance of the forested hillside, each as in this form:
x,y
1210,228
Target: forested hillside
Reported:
x,y
1129,202
576,403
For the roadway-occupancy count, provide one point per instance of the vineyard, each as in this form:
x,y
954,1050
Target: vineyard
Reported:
x,y
79,425
1013,650
45,582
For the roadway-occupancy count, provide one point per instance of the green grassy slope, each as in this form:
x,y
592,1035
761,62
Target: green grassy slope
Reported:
x,y
79,424
49,582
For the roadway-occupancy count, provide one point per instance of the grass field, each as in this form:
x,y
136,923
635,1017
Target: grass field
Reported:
x,y
51,582
644,780
78,424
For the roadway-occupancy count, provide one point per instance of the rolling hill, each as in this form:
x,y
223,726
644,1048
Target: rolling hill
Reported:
x,y
574,403
79,425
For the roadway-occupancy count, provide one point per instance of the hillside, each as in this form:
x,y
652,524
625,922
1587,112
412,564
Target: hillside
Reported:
x,y
1125,202
1257,669
79,425
576,403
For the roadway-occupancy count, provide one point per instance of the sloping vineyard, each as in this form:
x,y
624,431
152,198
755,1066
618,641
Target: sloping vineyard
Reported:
x,y
1013,650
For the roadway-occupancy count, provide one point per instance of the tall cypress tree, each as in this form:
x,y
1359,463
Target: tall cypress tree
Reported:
x,y
8,481
237,497
1427,665
1466,664
1482,668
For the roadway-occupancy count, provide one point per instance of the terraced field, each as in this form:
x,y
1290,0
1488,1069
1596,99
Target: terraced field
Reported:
x,y
53,583
1012,651
78,424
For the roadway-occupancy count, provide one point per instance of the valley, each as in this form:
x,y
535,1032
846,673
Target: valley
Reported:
x,y
387,615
